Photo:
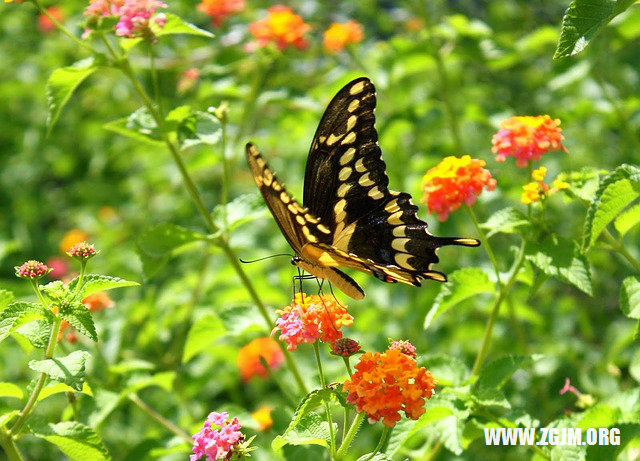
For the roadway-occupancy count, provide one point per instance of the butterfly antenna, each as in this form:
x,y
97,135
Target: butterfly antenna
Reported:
x,y
266,257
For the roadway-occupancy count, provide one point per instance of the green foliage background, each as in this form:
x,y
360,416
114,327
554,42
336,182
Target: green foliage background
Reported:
x,y
497,58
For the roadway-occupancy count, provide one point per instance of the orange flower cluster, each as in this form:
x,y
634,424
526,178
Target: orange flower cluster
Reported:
x,y
537,190
455,181
262,417
282,27
219,10
385,384
311,317
338,35
249,357
527,138
71,238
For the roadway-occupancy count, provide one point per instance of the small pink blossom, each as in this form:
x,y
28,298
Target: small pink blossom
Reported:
x,y
134,16
404,346
294,331
218,438
569,388
82,250
31,270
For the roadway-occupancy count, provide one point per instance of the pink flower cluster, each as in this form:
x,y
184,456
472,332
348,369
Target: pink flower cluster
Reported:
x,y
294,331
82,250
218,437
31,270
405,347
135,16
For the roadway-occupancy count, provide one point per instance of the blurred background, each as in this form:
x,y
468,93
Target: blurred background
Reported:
x,y
446,72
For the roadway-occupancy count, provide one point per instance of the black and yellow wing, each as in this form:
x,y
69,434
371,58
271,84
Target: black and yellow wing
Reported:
x,y
373,229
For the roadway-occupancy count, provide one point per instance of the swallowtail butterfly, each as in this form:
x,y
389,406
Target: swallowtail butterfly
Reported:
x,y
349,218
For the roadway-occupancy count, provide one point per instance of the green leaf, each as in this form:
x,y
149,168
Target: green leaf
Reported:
x,y
377,457
159,243
138,126
617,190
77,441
449,430
18,314
92,283
68,370
506,220
561,258
627,219
10,390
6,297
634,366
79,318
163,380
201,128
176,25
7,417
311,429
406,428
202,334
629,435
583,20
463,284
37,333
58,388
240,210
630,297
447,370
61,85
495,374
598,416
55,291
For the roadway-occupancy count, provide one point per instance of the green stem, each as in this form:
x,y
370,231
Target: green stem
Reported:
x,y
62,28
159,418
504,291
529,178
34,285
433,453
353,430
83,267
332,436
33,398
485,243
224,193
8,444
383,436
154,79
348,365
620,248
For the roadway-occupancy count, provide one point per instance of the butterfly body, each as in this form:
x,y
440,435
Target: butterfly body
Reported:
x,y
350,218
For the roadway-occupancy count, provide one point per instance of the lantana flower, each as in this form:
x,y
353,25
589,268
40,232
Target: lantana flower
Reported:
x,y
282,27
453,182
32,269
135,17
309,318
249,357
82,251
403,346
219,10
537,190
219,438
527,138
386,383
262,417
345,347
339,35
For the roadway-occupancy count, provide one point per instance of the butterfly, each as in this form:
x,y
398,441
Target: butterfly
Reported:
x,y
349,218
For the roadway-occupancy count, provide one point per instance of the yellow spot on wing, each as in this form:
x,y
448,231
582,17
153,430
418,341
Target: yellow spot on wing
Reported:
x,y
347,156
300,220
353,105
357,88
332,139
343,189
359,166
285,197
394,219
375,193
400,244
403,260
292,209
351,122
344,173
399,231
364,180
392,206
349,138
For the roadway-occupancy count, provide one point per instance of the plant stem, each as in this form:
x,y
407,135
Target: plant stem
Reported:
x,y
224,193
34,285
620,248
154,80
353,430
348,365
62,28
529,173
332,436
433,453
33,398
9,446
485,243
504,291
383,436
83,267
159,418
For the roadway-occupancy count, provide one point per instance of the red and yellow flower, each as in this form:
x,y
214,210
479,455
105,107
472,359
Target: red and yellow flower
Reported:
x,y
537,190
386,383
249,357
219,10
282,27
527,138
309,318
455,181
339,35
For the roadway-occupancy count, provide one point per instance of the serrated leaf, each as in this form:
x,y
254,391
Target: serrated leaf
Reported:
x,y
583,20
240,210
463,284
131,127
58,388
374,457
18,314
561,258
37,333
309,430
92,283
6,297
176,25
449,431
61,85
506,220
77,441
630,297
68,370
80,318
406,428
490,397
55,291
617,190
202,334
627,219
203,128
495,374
10,390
